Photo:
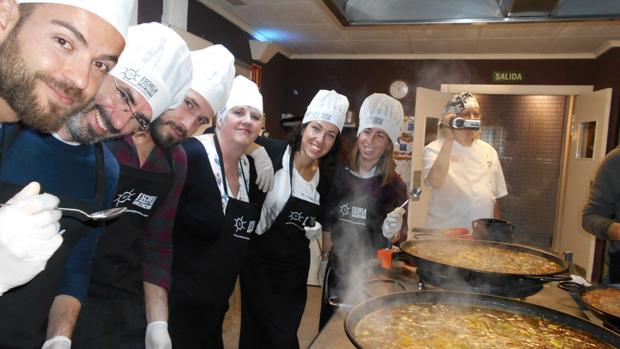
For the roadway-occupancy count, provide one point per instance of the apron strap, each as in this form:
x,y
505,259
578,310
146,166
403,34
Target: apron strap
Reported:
x,y
290,170
219,154
100,181
9,133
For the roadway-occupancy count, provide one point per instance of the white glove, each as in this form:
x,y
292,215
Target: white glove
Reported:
x,y
320,275
157,336
28,235
393,223
58,342
313,233
264,169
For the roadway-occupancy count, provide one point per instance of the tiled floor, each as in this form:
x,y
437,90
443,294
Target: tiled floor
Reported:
x,y
307,330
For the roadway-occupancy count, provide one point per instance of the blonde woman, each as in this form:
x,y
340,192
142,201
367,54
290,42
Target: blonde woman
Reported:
x,y
216,218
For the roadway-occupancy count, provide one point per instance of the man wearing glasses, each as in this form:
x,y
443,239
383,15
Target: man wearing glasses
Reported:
x,y
152,75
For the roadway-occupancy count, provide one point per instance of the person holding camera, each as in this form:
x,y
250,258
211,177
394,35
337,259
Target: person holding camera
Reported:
x,y
463,171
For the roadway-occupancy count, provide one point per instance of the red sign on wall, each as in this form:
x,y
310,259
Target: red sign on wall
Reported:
x,y
257,72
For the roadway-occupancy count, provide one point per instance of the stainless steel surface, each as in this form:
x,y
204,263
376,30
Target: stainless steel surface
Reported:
x,y
415,193
333,335
103,215
416,189
333,301
398,12
96,216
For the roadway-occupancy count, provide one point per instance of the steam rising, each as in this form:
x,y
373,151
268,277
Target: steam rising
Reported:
x,y
431,74
354,265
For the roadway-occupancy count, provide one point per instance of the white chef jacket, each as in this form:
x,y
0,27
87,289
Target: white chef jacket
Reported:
x,y
475,180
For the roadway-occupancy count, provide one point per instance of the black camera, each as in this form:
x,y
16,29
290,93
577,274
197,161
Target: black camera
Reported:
x,y
460,123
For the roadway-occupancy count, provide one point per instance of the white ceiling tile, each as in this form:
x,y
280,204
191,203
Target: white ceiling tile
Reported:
x,y
242,13
374,33
443,32
290,13
381,46
520,30
327,47
314,32
574,45
444,46
307,27
529,45
598,29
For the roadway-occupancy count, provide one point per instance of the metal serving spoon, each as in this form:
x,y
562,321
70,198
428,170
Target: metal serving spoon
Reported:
x,y
414,193
102,215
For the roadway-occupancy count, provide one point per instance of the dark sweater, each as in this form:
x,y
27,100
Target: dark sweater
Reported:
x,y
603,207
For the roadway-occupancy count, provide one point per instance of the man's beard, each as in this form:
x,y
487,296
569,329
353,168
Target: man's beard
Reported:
x,y
162,140
17,88
84,133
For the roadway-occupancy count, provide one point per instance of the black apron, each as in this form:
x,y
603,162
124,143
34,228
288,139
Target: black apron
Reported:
x,y
274,278
355,239
201,287
114,313
24,309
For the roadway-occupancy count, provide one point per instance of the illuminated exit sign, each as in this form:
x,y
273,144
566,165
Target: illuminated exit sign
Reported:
x,y
508,76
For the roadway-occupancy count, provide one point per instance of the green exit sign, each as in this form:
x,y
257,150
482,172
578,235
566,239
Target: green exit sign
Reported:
x,y
508,76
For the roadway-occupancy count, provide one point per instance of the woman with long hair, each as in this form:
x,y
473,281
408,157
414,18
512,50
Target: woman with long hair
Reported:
x,y
364,200
273,278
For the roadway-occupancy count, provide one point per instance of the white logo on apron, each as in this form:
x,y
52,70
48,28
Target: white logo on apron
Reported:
x,y
344,209
358,212
239,224
124,197
145,201
347,209
251,226
296,216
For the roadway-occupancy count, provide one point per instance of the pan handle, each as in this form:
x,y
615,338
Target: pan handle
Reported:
x,y
388,280
571,286
402,256
425,236
551,278
335,302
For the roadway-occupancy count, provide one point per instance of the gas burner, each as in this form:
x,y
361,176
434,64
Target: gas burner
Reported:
x,y
442,281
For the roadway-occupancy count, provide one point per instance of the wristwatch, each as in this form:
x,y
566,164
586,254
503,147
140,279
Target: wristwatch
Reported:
x,y
324,253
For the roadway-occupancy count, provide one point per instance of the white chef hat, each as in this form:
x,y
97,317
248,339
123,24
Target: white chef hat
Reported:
x,y
382,111
156,62
214,71
329,106
115,12
244,92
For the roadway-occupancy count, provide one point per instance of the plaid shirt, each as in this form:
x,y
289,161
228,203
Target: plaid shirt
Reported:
x,y
157,239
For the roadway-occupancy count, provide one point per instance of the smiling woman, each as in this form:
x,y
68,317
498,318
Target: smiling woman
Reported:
x,y
279,258
364,199
211,236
